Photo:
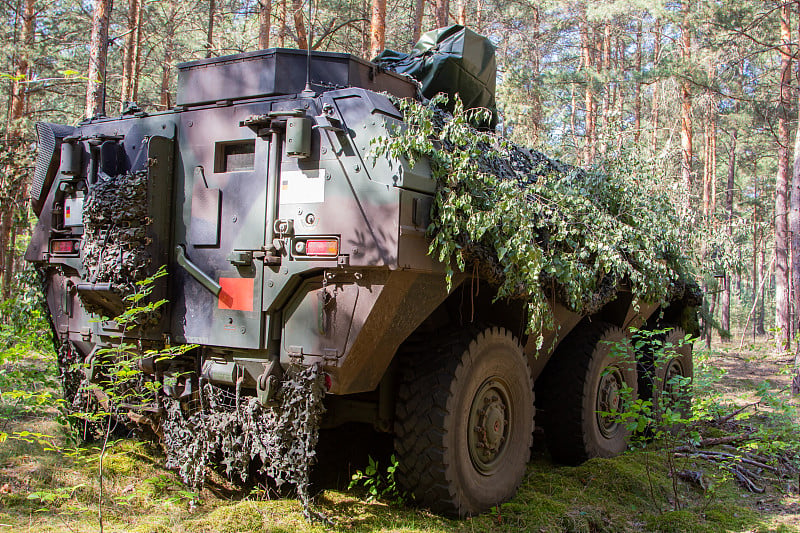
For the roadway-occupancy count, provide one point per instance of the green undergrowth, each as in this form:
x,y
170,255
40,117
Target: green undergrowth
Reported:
x,y
59,494
50,484
619,495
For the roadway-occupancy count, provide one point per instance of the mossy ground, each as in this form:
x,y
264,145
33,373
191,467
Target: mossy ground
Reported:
x,y
53,491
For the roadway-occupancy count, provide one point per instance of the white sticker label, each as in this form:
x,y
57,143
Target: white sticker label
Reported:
x,y
73,212
299,187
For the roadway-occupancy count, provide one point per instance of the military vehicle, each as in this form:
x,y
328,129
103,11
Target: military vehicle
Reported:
x,y
288,245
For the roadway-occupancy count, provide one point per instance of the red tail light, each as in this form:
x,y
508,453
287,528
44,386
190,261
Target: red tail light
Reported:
x,y
322,247
64,247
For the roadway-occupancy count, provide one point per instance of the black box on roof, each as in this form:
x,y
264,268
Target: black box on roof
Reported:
x,y
281,71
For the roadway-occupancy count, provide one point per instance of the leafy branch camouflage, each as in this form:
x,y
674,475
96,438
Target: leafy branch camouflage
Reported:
x,y
536,227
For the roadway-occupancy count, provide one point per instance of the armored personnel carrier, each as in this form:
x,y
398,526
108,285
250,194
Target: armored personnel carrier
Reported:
x,y
288,246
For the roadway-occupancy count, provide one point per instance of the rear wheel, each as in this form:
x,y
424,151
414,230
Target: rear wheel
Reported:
x,y
584,382
464,420
667,371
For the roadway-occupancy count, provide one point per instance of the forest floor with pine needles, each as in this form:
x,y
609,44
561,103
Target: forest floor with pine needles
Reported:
x,y
48,482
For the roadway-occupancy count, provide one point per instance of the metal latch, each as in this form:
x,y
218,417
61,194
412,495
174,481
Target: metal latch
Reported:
x,y
295,354
241,258
262,124
330,355
284,227
328,121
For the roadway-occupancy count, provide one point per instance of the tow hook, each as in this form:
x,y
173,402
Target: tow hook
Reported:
x,y
268,383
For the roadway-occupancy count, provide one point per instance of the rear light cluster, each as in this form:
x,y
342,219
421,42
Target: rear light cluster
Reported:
x,y
64,246
324,247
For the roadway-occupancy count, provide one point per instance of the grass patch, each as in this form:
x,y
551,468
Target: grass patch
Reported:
x,y
44,490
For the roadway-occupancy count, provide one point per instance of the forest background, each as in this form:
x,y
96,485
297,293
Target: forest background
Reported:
x,y
704,92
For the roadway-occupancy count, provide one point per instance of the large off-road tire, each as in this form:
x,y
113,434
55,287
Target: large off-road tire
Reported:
x,y
584,379
658,372
464,420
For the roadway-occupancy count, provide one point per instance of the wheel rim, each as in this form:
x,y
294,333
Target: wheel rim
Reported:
x,y
489,425
609,401
672,389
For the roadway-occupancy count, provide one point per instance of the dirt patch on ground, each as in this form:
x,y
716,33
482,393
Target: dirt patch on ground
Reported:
x,y
757,365
751,377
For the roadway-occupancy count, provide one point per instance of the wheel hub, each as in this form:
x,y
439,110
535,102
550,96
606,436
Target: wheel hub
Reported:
x,y
609,401
489,425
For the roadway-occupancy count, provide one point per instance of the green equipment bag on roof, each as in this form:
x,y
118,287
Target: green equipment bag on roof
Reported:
x,y
451,60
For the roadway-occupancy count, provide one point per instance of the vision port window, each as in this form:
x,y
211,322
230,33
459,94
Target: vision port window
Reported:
x,y
235,156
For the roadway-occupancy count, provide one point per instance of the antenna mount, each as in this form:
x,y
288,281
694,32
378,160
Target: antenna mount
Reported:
x,y
308,91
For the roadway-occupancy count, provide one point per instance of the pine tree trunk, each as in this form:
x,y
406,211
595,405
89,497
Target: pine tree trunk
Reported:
x,y
756,278
605,66
586,65
461,12
10,267
98,49
713,166
794,230
14,183
169,50
711,310
686,111
536,111
710,165
572,111
442,12
782,304
761,330
126,88
284,23
655,104
706,168
365,28
637,86
726,293
21,68
419,13
377,28
264,19
136,68
299,24
212,7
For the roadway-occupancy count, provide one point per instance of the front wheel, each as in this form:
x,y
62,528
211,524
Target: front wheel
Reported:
x,y
464,421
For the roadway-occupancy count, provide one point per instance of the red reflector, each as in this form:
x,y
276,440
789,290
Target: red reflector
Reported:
x,y
63,247
328,382
322,247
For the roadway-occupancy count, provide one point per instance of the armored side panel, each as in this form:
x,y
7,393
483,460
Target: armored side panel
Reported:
x,y
105,224
220,224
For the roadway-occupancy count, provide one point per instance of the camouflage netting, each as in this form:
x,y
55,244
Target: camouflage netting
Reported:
x,y
81,407
281,438
495,156
115,219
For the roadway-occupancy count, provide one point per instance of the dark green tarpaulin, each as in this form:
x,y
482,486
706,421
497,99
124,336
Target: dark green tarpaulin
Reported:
x,y
451,60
